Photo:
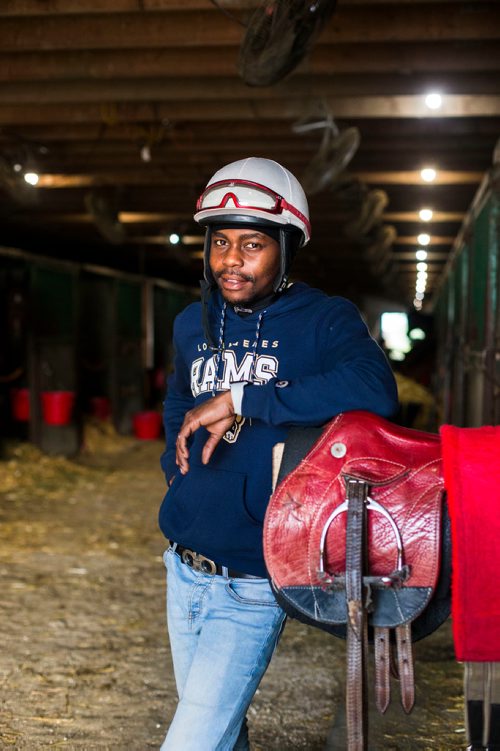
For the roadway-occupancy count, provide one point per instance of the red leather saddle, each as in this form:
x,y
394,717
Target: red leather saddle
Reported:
x,y
353,537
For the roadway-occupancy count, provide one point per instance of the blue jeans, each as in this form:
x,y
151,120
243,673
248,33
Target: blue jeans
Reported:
x,y
222,635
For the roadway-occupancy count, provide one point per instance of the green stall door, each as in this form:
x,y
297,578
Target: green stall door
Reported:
x,y
55,426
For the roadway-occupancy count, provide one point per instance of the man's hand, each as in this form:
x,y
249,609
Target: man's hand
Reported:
x,y
216,415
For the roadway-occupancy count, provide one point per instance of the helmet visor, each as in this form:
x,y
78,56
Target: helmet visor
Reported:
x,y
244,194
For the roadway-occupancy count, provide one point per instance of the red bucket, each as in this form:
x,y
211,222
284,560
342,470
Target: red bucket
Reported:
x,y
147,425
20,404
100,407
57,406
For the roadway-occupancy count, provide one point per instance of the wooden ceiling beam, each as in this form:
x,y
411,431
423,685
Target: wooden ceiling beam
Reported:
x,y
407,58
290,153
112,114
210,28
433,256
398,152
412,240
393,154
14,8
305,87
413,177
161,217
413,216
113,179
53,7
437,57
68,217
186,173
376,133
80,7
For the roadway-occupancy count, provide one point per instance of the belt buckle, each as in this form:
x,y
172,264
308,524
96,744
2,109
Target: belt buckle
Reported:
x,y
198,562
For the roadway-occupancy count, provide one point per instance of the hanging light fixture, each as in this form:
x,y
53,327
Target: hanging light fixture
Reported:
x,y
31,178
425,214
433,100
428,174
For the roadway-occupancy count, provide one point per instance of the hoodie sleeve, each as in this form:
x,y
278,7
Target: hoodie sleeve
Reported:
x,y
353,374
178,401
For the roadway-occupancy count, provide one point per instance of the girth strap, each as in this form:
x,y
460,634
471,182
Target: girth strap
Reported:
x,y
405,666
357,492
401,667
382,650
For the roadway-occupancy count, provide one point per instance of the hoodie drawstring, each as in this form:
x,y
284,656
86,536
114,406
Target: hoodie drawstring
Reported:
x,y
221,347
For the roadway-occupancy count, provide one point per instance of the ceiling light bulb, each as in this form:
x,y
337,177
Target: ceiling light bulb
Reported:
x,y
419,295
433,100
425,214
31,178
417,304
420,286
421,254
174,238
428,174
423,239
146,153
417,334
421,266
17,167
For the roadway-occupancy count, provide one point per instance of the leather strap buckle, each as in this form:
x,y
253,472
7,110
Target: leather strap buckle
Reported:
x,y
198,562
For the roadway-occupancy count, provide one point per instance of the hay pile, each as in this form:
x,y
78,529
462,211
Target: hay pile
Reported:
x,y
27,470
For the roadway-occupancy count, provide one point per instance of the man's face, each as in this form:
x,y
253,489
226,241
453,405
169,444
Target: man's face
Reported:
x,y
245,264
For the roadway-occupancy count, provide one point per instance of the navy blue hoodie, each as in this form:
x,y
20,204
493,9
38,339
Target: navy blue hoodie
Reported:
x,y
310,358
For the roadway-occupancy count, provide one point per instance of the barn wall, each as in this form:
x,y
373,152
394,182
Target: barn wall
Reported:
x,y
468,316
76,341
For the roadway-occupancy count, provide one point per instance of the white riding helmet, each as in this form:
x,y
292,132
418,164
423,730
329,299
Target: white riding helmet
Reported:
x,y
259,192
255,187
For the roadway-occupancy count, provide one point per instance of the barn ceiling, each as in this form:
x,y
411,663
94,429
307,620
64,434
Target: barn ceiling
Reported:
x,y
125,108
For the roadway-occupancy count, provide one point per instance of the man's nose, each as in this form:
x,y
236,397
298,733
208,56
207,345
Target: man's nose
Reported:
x,y
233,255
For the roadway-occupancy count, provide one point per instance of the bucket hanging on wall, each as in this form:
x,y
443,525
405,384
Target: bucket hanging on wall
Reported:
x,y
57,407
20,404
147,425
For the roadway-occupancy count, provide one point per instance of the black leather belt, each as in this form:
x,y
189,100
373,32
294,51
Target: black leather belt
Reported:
x,y
200,563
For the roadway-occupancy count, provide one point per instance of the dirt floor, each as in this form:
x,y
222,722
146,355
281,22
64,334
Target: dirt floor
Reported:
x,y
84,660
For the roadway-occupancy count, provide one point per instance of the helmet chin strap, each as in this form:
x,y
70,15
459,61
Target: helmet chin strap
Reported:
x,y
245,309
289,244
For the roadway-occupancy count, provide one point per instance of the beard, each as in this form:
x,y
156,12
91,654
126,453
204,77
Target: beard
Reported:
x,y
236,298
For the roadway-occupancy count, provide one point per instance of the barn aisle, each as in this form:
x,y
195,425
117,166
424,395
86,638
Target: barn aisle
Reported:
x,y
84,661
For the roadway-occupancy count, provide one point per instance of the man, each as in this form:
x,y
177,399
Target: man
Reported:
x,y
255,357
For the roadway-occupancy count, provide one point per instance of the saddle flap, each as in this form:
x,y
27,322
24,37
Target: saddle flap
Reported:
x,y
304,528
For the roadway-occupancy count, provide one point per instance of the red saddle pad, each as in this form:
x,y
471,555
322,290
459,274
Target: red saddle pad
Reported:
x,y
471,459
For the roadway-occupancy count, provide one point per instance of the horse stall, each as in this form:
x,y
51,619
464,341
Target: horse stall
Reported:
x,y
165,300
77,341
467,314
52,358
96,321
15,401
